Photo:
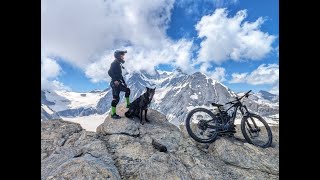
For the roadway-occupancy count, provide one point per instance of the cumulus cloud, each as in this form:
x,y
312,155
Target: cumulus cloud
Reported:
x,y
176,53
50,70
53,85
264,74
85,33
219,73
238,77
225,38
80,31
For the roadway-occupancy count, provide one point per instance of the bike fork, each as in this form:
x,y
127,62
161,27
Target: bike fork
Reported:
x,y
250,130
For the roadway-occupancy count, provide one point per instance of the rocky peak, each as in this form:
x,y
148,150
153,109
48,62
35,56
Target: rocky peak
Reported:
x,y
268,96
122,149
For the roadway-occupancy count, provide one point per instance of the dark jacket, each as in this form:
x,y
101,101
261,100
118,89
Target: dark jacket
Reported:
x,y
115,71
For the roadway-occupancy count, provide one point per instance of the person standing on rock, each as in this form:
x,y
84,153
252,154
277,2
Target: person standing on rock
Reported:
x,y
117,82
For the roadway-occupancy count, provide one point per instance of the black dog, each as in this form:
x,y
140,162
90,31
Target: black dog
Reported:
x,y
140,104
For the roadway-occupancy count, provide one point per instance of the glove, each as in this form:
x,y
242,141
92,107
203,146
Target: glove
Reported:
x,y
116,83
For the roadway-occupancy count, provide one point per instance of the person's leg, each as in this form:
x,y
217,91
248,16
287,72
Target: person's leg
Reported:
x,y
127,97
115,100
127,93
114,103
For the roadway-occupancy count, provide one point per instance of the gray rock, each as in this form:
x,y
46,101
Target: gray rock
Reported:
x,y
69,152
246,156
123,149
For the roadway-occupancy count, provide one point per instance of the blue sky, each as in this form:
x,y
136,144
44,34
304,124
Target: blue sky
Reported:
x,y
235,42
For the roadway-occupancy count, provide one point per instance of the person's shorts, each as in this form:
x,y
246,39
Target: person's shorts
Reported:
x,y
117,89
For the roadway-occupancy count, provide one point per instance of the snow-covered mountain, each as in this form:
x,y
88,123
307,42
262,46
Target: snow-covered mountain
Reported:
x,y
176,94
268,96
72,103
47,113
259,104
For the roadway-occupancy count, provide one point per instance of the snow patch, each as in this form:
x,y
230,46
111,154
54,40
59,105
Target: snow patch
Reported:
x,y
160,94
47,109
194,96
72,100
89,123
162,72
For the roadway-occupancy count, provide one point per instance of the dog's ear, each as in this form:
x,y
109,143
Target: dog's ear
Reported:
x,y
155,88
147,88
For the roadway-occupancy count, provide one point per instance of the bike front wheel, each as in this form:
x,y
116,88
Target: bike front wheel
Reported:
x,y
200,124
256,130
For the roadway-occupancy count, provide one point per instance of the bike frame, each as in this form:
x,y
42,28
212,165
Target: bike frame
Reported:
x,y
230,120
223,123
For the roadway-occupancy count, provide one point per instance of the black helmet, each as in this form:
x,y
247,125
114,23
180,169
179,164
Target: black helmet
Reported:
x,y
117,53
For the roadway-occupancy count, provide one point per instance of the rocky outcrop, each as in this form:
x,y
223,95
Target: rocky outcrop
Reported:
x,y
122,149
69,152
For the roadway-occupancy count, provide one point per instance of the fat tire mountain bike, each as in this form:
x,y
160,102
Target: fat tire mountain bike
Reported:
x,y
204,126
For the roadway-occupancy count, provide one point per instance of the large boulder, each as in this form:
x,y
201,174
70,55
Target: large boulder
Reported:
x,y
123,149
69,152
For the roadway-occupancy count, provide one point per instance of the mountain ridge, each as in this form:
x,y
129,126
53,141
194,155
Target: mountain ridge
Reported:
x,y
176,94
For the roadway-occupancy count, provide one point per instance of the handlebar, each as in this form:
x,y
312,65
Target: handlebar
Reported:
x,y
238,99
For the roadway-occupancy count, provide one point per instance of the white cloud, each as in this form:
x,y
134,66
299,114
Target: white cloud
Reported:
x,y
219,73
85,33
176,53
50,70
238,77
275,89
264,74
204,68
227,38
53,85
80,31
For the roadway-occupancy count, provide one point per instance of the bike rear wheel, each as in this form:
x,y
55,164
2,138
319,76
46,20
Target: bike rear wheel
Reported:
x,y
197,125
256,130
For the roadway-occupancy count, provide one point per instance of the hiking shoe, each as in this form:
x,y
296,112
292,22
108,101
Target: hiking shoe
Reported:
x,y
115,116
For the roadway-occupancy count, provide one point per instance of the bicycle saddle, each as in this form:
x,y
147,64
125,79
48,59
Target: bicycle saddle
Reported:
x,y
218,105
